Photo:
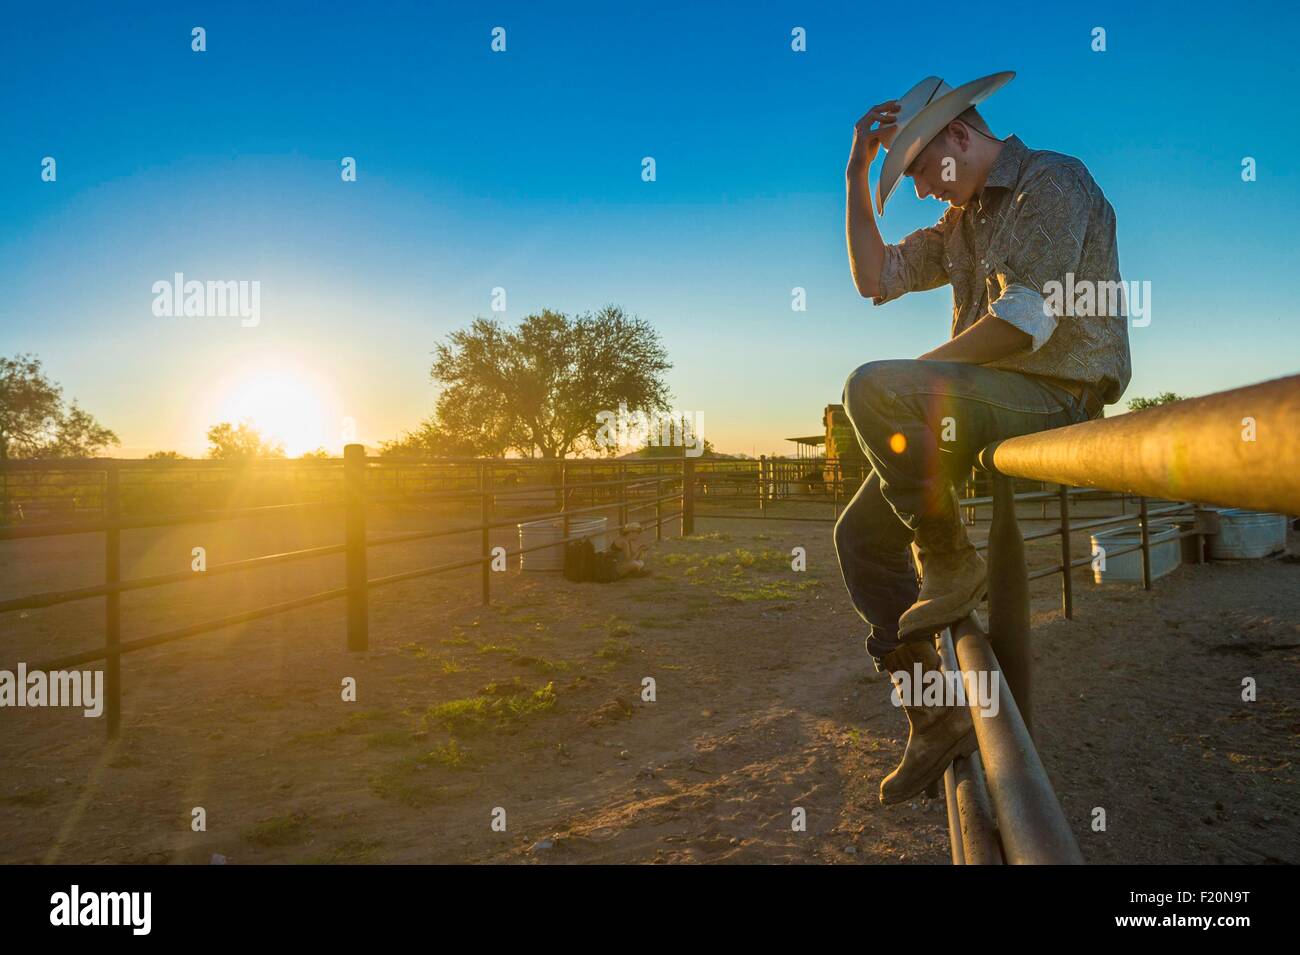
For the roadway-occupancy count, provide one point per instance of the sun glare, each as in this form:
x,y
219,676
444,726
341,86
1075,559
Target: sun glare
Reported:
x,y
285,404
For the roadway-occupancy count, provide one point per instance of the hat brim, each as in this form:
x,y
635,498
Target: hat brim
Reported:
x,y
927,124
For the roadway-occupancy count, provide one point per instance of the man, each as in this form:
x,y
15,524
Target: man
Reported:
x,y
1020,360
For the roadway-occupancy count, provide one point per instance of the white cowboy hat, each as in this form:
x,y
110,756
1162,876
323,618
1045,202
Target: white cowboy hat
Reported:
x,y
923,112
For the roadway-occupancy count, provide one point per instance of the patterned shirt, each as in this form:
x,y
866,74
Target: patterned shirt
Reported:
x,y
1036,248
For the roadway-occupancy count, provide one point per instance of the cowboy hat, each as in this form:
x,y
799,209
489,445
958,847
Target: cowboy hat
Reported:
x,y
923,112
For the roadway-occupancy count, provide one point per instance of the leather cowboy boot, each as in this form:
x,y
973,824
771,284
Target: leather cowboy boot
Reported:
x,y
937,734
954,577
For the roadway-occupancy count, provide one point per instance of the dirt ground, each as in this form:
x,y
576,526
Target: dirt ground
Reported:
x,y
530,711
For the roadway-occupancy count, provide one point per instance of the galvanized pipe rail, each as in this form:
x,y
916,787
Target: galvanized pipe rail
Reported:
x,y
1238,448
1010,812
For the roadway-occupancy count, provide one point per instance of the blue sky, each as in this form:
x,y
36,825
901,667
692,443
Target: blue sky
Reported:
x,y
523,170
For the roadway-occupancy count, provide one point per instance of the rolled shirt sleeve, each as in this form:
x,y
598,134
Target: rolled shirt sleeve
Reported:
x,y
1046,243
1027,310
913,265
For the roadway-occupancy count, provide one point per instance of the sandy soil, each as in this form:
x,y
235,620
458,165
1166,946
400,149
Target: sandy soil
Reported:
x,y
765,702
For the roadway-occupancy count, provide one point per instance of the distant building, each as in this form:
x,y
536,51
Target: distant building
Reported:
x,y
844,457
836,450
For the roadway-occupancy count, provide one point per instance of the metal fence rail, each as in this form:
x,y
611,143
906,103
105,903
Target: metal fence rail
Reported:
x,y
750,485
361,482
1237,448
1001,806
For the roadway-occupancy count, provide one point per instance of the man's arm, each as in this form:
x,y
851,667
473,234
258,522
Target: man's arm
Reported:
x,y
866,248
987,340
883,272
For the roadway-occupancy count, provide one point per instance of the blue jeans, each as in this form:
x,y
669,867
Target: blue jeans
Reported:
x,y
945,413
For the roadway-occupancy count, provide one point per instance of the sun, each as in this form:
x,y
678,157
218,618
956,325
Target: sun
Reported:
x,y
285,403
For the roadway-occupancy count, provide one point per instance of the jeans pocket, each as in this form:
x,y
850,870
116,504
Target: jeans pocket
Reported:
x,y
1074,407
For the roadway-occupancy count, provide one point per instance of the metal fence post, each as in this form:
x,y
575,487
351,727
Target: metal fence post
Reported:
x,y
659,502
485,539
1009,596
622,495
1146,543
688,496
354,482
564,498
762,485
112,604
836,477
1067,585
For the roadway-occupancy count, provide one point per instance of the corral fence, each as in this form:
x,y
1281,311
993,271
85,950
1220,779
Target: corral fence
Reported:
x,y
1238,448
470,497
1172,465
816,491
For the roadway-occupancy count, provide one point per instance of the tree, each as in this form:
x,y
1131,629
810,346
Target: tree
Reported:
x,y
680,429
166,456
242,443
35,423
320,454
538,388
1164,398
656,450
429,440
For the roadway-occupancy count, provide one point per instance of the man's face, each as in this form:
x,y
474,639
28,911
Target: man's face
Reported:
x,y
943,168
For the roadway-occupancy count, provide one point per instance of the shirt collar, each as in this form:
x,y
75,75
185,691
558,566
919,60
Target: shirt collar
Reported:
x,y
1006,168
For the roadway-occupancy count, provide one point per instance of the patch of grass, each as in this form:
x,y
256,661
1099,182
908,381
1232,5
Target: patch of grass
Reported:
x,y
542,665
498,648
739,574
478,714
400,783
511,687
757,591
740,558
710,536
450,756
616,629
350,851
353,724
457,641
290,830
765,590
613,649
413,650
451,666
27,798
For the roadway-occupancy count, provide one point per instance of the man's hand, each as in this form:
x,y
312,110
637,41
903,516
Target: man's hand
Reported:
x,y
867,141
987,340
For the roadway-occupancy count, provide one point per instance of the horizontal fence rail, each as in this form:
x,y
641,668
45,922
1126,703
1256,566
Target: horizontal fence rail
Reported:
x,y
548,492
1237,448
